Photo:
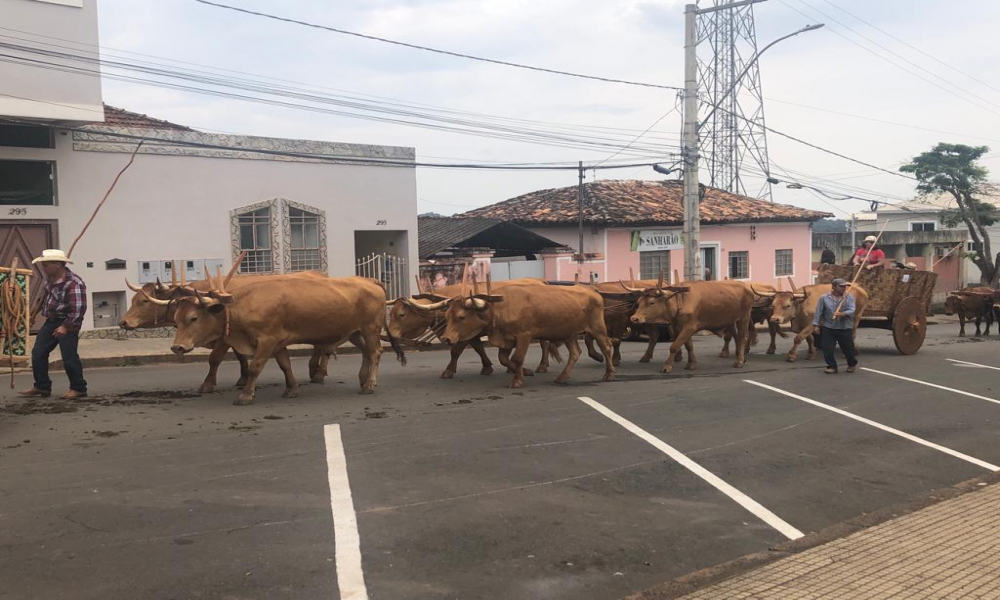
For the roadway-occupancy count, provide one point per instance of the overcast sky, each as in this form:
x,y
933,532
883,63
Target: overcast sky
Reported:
x,y
635,40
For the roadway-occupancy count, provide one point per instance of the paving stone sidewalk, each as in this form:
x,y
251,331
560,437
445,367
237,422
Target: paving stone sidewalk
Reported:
x,y
948,550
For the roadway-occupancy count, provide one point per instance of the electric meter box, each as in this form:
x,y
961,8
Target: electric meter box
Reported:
x,y
149,270
214,265
193,269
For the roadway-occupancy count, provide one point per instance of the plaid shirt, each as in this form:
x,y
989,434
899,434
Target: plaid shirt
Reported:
x,y
66,300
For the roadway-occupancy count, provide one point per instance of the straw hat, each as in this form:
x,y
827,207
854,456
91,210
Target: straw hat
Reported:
x,y
871,238
52,256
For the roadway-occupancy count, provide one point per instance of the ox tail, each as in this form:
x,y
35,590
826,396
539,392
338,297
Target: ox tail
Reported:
x,y
400,355
554,353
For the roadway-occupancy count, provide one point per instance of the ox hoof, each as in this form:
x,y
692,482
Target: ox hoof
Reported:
x,y
542,370
666,369
645,359
738,365
617,362
597,357
317,379
811,356
290,393
485,371
447,374
770,351
792,358
527,372
608,377
679,357
366,391
561,381
516,384
961,334
206,388
241,382
690,366
243,399
724,354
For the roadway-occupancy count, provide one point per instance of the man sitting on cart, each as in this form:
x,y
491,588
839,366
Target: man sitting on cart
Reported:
x,y
870,254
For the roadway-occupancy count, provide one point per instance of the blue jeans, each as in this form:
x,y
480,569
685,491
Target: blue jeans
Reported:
x,y
828,340
45,343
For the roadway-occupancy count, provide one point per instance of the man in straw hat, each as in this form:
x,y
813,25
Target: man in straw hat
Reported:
x,y
869,253
834,324
64,304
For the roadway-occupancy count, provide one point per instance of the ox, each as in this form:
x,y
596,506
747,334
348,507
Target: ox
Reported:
x,y
798,308
408,323
262,318
557,314
144,313
760,313
695,306
972,303
618,309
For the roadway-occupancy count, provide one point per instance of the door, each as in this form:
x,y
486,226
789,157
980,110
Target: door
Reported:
x,y
26,240
709,263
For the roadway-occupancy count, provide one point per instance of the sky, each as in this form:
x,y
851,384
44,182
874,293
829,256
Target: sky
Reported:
x,y
919,64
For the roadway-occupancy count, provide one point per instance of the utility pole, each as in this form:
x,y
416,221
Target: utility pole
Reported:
x,y
579,212
689,149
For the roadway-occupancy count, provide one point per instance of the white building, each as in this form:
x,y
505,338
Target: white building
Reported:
x,y
194,197
923,215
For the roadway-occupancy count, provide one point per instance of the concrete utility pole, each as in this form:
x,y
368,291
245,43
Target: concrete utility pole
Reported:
x,y
690,144
579,212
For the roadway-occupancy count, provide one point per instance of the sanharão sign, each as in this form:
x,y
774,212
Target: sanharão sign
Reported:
x,y
657,239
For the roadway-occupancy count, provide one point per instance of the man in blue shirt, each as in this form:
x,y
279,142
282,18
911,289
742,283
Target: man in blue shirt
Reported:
x,y
836,326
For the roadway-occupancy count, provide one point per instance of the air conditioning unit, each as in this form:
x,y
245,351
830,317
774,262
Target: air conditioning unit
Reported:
x,y
940,251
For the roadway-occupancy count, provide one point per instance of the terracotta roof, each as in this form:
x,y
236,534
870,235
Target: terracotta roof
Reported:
x,y
634,203
119,117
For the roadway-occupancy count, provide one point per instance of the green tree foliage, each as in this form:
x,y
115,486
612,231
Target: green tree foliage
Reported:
x,y
952,169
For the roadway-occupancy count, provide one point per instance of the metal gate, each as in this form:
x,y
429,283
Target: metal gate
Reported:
x,y
389,269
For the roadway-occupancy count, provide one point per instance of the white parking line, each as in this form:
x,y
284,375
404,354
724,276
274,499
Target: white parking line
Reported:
x,y
902,434
350,576
742,499
972,364
933,385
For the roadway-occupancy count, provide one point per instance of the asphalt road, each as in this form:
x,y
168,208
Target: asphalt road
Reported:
x,y
463,488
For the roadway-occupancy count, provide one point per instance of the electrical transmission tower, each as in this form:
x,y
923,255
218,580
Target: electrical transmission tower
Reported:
x,y
732,140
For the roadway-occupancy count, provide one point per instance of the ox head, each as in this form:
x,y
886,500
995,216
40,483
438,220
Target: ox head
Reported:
x,y
144,311
658,304
952,304
970,299
785,306
465,316
200,321
409,323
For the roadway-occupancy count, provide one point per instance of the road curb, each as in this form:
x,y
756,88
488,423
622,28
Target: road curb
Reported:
x,y
697,580
132,360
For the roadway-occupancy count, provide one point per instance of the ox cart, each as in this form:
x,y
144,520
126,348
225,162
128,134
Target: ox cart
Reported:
x,y
898,300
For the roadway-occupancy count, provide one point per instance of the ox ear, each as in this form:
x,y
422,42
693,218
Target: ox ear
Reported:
x,y
216,308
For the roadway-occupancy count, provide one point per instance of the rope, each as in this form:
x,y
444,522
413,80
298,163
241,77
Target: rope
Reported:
x,y
13,311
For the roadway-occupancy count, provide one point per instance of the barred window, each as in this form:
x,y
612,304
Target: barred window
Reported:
x,y
739,265
783,264
652,263
255,238
305,242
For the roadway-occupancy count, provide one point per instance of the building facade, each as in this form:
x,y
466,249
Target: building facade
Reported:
x,y
635,227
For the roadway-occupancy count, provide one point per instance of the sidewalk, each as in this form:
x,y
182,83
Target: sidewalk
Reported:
x,y
950,549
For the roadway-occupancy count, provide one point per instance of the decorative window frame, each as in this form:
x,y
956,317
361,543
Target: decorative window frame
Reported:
x,y
286,234
281,232
234,231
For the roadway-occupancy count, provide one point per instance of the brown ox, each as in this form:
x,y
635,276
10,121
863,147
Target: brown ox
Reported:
x,y
619,306
557,314
695,306
145,313
799,307
760,313
262,318
971,303
408,323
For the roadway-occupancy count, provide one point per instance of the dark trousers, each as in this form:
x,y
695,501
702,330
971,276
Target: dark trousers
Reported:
x,y
45,343
828,340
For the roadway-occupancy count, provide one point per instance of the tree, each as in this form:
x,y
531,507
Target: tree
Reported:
x,y
952,169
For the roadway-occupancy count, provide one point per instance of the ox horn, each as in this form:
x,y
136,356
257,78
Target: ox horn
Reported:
x,y
791,284
762,294
173,273
659,281
779,285
475,284
160,287
135,288
433,307
630,288
183,275
155,300
235,267
489,284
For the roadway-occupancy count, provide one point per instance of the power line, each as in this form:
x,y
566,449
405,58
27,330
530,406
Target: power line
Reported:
x,y
677,104
436,50
911,46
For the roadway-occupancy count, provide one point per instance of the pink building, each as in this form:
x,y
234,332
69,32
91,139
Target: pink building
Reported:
x,y
636,225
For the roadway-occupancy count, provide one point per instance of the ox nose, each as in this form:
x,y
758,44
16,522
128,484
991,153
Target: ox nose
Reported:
x,y
178,349
634,319
447,340
123,325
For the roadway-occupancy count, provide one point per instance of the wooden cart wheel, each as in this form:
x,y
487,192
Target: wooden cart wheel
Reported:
x,y
909,325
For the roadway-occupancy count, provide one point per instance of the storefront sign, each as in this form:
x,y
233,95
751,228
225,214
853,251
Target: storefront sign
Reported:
x,y
657,239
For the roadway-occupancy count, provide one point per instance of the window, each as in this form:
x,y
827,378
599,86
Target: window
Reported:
x,y
255,238
27,183
305,243
739,265
26,136
651,264
783,264
922,226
